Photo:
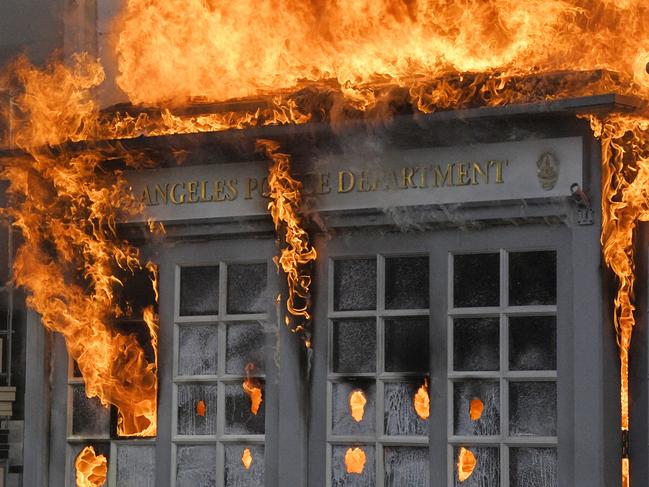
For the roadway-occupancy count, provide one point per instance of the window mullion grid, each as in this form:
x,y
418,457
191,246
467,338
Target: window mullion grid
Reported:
x,y
504,367
380,367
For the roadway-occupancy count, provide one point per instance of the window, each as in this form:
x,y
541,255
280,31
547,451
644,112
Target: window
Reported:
x,y
502,369
218,418
378,362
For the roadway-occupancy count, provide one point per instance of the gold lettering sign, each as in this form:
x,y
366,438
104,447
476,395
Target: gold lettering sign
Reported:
x,y
345,181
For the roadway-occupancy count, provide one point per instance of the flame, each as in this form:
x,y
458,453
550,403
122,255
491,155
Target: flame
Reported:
x,y
66,208
284,206
421,401
625,202
201,408
246,458
476,408
466,463
252,388
335,60
360,45
91,468
357,403
355,460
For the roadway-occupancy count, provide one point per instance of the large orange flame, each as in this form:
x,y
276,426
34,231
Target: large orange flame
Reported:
x,y
91,469
285,206
67,207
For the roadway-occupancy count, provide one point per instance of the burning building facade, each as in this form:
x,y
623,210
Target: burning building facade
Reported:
x,y
368,268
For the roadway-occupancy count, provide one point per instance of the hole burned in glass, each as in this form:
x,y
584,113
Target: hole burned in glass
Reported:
x,y
239,416
468,394
237,456
100,447
247,290
476,280
354,346
486,471
406,345
354,284
340,475
476,344
197,349
533,408
406,282
532,278
199,290
400,416
245,345
533,343
196,409
346,421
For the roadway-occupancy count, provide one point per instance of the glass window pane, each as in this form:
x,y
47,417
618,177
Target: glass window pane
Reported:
x,y
476,280
532,278
197,349
239,410
196,465
361,468
89,417
533,343
4,310
353,407
533,408
406,283
354,284
354,346
533,467
476,344
196,409
245,345
406,466
476,408
400,415
406,345
135,465
486,472
199,290
244,466
247,291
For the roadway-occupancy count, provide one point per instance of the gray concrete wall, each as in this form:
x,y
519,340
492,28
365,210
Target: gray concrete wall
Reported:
x,y
31,26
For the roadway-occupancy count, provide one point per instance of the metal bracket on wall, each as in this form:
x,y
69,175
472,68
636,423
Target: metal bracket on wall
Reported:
x,y
585,213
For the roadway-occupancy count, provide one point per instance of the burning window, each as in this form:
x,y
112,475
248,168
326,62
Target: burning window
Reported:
x,y
523,320
390,378
219,381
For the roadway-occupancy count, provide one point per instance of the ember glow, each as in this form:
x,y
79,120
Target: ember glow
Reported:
x,y
201,408
421,401
91,469
357,403
466,463
252,388
475,409
285,206
246,459
355,460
